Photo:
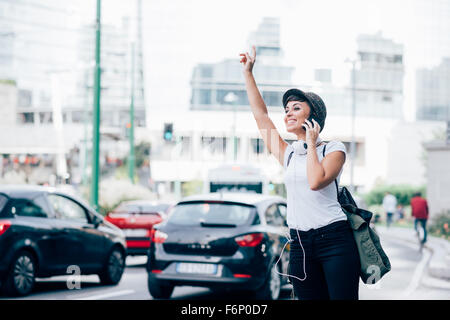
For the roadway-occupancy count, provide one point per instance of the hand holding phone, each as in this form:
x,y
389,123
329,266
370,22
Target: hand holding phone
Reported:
x,y
312,128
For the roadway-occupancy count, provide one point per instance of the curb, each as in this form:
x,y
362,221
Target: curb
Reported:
x,y
439,263
439,266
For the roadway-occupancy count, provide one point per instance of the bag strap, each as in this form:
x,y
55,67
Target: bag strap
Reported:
x,y
289,158
335,180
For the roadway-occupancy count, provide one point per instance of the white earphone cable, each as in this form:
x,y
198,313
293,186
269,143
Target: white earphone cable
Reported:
x,y
298,235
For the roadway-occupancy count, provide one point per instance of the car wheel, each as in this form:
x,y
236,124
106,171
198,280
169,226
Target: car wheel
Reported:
x,y
21,276
113,270
158,290
272,287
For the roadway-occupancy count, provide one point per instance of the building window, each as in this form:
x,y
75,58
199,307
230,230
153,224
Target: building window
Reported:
x,y
185,146
240,97
214,145
272,98
26,117
398,59
46,117
387,98
257,146
139,118
206,71
202,96
24,98
79,116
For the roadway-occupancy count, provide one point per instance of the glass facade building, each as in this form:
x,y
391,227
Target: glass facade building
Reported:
x,y
47,49
212,83
433,92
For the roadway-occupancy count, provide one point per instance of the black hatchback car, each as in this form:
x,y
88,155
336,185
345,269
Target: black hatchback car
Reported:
x,y
221,241
43,232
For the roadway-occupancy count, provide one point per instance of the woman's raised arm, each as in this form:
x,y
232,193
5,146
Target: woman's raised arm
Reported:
x,y
272,139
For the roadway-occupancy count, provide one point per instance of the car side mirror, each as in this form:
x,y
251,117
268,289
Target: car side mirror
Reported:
x,y
96,221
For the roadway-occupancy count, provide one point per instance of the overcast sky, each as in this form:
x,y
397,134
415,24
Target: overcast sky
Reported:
x,y
178,34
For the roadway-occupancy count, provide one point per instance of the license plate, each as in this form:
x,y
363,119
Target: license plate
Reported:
x,y
196,268
135,232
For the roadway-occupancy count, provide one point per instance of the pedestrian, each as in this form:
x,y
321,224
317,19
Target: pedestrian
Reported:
x,y
400,213
419,210
324,260
389,206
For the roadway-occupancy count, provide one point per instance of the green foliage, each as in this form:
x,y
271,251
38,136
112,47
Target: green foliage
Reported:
x,y
440,225
141,155
8,81
191,187
402,192
104,207
279,190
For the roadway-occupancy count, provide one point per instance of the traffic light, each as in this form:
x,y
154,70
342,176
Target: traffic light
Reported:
x,y
168,131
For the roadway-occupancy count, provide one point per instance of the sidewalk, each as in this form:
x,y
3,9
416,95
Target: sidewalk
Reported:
x,y
439,264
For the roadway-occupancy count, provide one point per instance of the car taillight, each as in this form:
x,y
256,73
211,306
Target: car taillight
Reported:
x,y
4,225
249,240
158,236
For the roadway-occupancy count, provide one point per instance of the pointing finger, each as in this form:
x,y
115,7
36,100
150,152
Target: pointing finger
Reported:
x,y
316,124
248,57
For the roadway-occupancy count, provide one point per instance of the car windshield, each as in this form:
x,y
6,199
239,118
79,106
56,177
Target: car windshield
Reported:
x,y
210,214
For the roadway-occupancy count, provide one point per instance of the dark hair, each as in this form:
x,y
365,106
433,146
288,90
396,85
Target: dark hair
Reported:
x,y
418,194
296,98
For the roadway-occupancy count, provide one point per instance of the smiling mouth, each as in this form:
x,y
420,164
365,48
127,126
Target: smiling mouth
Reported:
x,y
291,121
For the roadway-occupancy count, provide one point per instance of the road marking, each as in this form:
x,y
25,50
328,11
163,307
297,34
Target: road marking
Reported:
x,y
108,295
418,274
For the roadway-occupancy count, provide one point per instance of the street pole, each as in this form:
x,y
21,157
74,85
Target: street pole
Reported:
x,y
352,142
131,158
231,98
96,114
85,158
352,145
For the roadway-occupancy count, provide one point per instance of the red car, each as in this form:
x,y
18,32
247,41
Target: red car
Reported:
x,y
136,219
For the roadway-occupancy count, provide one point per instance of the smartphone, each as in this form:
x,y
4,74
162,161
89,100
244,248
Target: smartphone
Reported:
x,y
310,118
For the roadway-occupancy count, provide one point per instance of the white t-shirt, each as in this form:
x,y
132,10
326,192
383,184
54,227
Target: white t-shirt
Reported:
x,y
308,209
390,203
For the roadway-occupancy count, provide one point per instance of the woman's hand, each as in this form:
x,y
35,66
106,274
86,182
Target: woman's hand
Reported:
x,y
312,132
248,61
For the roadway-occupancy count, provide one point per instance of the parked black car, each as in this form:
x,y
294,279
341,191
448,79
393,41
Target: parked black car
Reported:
x,y
43,232
221,240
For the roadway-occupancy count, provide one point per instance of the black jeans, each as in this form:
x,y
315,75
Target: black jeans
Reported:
x,y
331,262
423,223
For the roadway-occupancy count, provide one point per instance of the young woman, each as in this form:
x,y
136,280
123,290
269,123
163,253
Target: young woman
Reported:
x,y
324,261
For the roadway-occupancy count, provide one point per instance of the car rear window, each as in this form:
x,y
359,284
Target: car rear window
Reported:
x,y
210,213
3,201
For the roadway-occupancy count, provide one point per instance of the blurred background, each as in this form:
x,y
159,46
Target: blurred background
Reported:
x,y
174,114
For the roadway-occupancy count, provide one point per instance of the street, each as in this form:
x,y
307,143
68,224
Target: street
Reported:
x,y
408,279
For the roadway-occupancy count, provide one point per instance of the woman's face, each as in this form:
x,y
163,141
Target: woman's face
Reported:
x,y
296,113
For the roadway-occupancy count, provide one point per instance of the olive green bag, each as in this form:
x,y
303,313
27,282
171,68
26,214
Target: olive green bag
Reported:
x,y
374,261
